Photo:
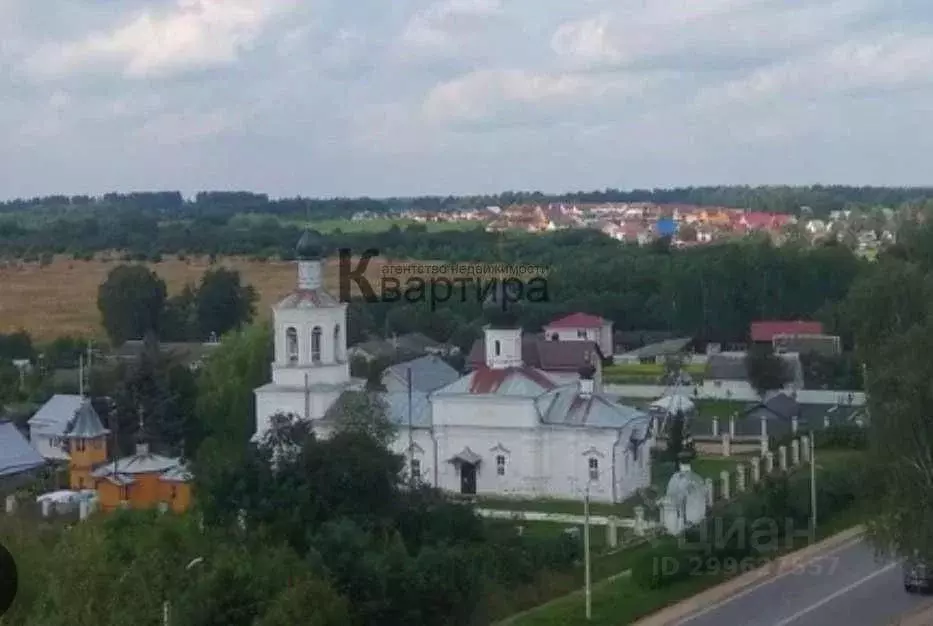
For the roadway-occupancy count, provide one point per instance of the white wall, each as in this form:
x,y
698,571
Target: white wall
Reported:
x,y
736,390
491,412
272,401
44,446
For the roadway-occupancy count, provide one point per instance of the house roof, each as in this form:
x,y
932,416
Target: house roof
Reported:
x,y
726,367
410,343
143,462
86,424
185,352
565,406
53,417
398,413
578,320
550,356
16,455
766,330
778,404
427,373
524,381
662,348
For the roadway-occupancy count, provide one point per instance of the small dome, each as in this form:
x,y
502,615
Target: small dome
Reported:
x,y
684,483
310,247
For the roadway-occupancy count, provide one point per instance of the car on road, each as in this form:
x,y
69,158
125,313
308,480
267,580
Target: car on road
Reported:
x,y
918,576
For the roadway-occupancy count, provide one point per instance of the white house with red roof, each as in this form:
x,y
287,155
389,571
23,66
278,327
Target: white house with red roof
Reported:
x,y
582,327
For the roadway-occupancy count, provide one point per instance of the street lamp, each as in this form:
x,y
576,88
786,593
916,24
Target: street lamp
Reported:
x,y
166,605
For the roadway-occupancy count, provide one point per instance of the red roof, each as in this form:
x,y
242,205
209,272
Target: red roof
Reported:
x,y
550,356
487,380
765,331
578,320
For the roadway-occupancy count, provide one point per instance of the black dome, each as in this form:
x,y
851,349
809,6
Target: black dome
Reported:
x,y
310,247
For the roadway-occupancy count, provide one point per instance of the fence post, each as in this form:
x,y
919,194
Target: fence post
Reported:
x,y
769,463
740,478
782,458
612,532
805,448
715,426
10,504
756,470
709,492
732,426
726,445
764,435
724,477
795,452
639,521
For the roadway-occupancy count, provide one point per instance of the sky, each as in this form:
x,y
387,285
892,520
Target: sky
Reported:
x,y
411,97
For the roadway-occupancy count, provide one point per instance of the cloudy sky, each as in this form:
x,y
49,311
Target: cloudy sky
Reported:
x,y
381,97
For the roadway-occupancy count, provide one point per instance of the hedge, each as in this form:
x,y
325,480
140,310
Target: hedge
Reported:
x,y
836,437
729,540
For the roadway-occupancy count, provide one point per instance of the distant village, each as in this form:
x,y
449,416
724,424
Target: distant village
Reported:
x,y
686,225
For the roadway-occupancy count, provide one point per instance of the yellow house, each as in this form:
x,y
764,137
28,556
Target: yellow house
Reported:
x,y
144,480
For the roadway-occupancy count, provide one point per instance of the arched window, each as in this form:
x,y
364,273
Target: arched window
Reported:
x,y
338,349
498,348
291,345
594,468
316,345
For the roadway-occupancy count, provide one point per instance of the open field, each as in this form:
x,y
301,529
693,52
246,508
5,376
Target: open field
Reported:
x,y
61,298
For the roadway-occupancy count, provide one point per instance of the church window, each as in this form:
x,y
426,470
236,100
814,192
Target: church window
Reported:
x,y
174,492
316,345
338,353
79,445
594,468
415,470
500,465
291,345
498,348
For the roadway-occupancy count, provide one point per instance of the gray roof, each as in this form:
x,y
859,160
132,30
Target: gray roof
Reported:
x,y
86,424
726,367
53,417
178,474
565,406
778,405
16,455
662,348
519,382
397,409
427,373
308,299
143,462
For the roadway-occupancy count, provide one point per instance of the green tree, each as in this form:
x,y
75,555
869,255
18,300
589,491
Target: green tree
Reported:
x,y
766,370
226,406
131,302
366,413
901,436
680,447
223,303
179,319
309,602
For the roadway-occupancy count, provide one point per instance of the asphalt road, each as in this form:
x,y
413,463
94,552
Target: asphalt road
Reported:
x,y
847,586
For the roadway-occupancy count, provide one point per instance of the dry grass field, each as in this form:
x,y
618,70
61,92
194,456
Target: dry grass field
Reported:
x,y
61,298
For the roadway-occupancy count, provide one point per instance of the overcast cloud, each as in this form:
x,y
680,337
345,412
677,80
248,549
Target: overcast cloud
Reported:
x,y
377,97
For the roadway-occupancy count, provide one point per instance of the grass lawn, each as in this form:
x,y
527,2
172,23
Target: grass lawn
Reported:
x,y
723,409
620,601
548,505
649,369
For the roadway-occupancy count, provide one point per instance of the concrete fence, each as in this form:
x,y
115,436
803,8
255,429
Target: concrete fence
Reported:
x,y
639,524
739,391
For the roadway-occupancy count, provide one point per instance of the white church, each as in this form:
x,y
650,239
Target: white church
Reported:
x,y
504,429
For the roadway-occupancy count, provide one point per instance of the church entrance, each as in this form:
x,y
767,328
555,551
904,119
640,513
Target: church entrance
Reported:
x,y
468,479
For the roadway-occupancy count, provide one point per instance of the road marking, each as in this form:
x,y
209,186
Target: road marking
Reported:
x,y
841,592
768,581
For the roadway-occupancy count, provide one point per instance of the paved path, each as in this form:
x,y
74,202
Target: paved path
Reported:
x,y
847,586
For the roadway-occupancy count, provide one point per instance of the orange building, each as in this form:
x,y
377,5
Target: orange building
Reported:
x,y
86,439
143,480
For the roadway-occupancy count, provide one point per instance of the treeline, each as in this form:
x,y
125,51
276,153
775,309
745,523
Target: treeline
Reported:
x,y
223,204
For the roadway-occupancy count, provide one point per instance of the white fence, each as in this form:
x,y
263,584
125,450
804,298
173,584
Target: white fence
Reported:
x,y
638,524
737,390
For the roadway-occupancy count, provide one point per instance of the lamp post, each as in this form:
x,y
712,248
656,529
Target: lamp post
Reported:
x,y
586,553
166,605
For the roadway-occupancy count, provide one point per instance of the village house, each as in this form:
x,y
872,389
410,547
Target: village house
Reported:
x,y
582,327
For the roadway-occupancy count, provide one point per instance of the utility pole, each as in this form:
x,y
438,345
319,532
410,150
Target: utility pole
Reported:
x,y
813,480
586,553
411,435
